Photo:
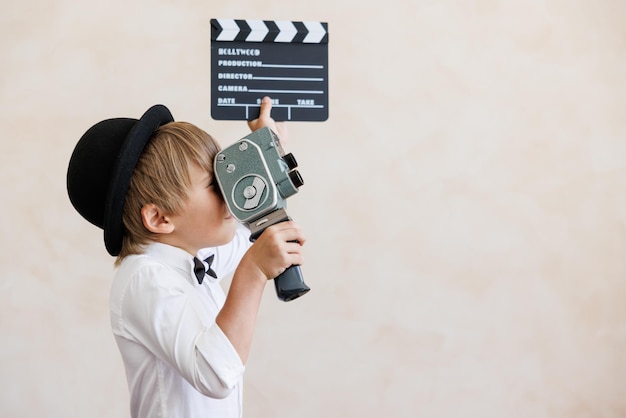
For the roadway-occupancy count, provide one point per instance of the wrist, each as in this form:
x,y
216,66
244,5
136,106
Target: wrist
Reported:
x,y
251,273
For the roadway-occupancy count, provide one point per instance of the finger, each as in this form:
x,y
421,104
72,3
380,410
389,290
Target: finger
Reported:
x,y
281,127
266,108
295,260
293,247
289,231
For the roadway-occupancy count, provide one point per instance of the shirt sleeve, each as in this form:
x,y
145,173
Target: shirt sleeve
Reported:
x,y
212,344
165,315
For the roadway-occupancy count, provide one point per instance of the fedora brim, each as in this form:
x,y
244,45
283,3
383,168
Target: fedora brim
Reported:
x,y
127,158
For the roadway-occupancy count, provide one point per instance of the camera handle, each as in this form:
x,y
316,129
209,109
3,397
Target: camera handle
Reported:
x,y
289,284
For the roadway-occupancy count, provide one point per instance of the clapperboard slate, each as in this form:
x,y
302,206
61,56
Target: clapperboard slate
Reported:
x,y
285,60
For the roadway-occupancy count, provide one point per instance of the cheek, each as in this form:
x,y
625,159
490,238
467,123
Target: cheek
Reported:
x,y
217,202
214,211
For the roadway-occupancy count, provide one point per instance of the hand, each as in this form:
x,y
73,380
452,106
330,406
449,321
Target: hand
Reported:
x,y
265,120
278,248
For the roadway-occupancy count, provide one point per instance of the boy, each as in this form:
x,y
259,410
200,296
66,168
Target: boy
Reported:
x,y
149,185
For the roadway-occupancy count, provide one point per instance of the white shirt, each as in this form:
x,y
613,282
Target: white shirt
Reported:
x,y
178,361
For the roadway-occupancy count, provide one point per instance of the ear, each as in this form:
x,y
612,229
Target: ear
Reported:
x,y
155,220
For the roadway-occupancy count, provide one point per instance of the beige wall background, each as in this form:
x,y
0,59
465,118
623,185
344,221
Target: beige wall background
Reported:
x,y
465,206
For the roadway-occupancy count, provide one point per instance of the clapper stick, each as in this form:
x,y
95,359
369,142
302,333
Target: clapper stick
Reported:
x,y
285,60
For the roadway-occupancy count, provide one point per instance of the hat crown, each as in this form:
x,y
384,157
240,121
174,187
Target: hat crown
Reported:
x,y
91,166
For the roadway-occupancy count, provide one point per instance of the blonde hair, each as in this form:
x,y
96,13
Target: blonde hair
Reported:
x,y
161,177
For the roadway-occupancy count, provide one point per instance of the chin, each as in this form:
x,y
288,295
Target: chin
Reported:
x,y
228,234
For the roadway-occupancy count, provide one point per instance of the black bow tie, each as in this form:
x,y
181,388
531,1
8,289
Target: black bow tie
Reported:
x,y
199,270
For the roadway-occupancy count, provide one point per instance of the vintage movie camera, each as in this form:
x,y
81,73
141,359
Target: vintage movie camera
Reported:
x,y
255,178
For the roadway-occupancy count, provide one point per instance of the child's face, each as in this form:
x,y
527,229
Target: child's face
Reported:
x,y
204,220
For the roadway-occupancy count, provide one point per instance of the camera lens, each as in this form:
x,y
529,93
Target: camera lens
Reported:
x,y
291,161
296,178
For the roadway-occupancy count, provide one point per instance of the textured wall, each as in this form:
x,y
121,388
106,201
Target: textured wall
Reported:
x,y
465,206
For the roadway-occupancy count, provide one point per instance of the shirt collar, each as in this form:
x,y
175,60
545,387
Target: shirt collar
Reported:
x,y
174,257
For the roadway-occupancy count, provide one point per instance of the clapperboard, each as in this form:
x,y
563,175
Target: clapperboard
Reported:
x,y
285,60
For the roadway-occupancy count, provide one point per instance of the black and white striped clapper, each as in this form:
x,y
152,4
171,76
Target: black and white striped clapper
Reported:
x,y
285,60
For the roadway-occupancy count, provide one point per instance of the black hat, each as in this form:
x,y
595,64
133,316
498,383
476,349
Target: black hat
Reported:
x,y
101,166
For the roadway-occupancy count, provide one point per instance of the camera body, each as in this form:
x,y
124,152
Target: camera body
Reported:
x,y
256,177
